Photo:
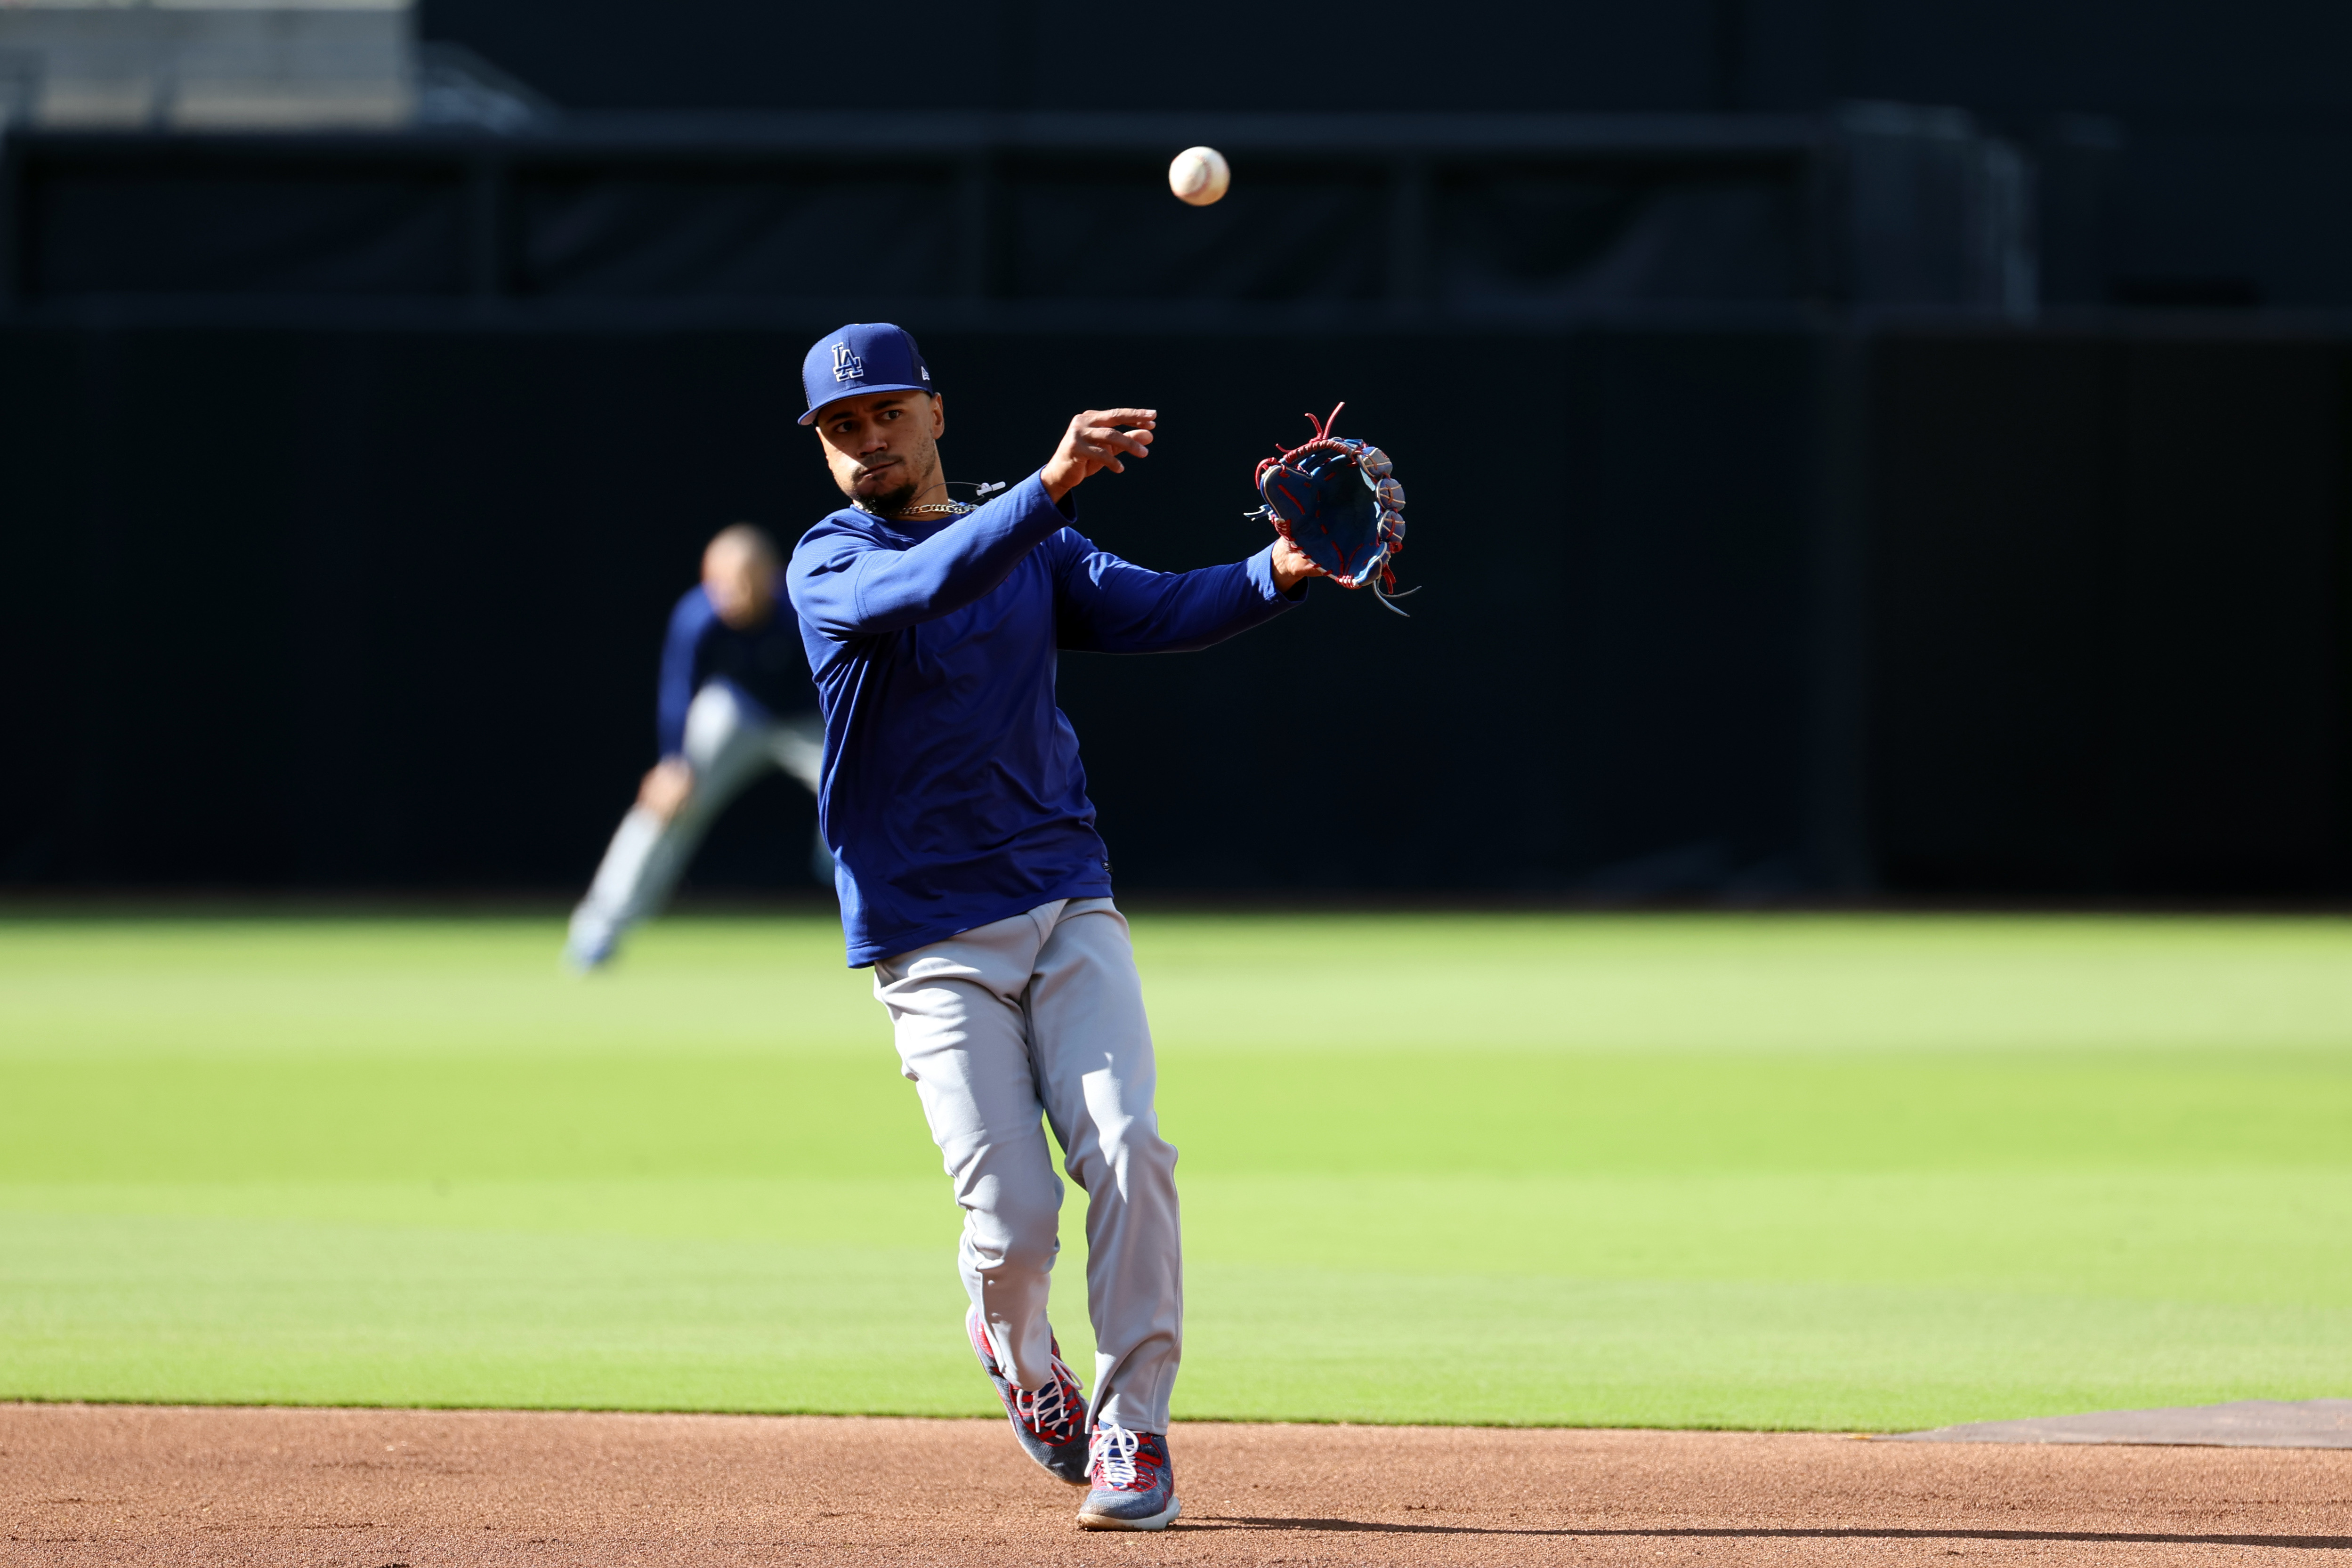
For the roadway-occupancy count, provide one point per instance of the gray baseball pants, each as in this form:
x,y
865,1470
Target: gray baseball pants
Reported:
x,y
729,744
1041,1015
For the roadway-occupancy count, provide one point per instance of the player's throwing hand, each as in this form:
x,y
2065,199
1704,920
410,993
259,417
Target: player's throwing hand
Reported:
x,y
1096,440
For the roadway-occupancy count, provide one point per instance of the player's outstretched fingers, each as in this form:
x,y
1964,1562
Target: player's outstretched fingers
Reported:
x,y
1097,439
1107,433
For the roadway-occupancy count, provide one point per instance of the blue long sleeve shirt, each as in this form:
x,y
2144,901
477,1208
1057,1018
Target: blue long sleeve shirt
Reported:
x,y
765,664
953,793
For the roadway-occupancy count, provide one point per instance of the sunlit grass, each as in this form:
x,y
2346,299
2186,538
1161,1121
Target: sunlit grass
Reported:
x,y
1752,1171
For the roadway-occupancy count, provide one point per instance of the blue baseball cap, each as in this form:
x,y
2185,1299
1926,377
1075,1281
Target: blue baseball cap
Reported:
x,y
862,357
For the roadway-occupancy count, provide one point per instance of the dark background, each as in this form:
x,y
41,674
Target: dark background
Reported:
x,y
2233,118
1773,545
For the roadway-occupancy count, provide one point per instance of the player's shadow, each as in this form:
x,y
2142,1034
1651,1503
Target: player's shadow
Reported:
x,y
2305,1542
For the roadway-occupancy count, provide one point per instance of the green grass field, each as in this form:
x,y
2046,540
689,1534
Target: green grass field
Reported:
x,y
1780,1172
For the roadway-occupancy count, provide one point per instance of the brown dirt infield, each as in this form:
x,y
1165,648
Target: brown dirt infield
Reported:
x,y
365,1489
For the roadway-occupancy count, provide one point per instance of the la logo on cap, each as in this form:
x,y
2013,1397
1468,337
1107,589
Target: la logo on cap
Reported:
x,y
846,366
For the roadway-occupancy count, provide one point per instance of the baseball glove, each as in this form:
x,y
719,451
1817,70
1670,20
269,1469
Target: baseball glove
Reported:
x,y
1337,502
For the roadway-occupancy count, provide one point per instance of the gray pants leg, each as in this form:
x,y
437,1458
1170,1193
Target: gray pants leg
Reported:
x,y
728,748
1042,1015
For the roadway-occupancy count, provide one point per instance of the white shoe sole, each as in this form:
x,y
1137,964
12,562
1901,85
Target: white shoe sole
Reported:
x,y
1160,1520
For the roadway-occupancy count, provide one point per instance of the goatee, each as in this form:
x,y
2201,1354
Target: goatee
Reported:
x,y
886,503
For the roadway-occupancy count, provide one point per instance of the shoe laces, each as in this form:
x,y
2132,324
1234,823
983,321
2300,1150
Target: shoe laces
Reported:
x,y
1119,1458
1051,1411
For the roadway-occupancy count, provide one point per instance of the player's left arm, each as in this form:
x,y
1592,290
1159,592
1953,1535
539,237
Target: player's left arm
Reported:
x,y
689,624
670,781
1105,605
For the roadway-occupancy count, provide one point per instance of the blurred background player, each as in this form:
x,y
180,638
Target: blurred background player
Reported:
x,y
735,700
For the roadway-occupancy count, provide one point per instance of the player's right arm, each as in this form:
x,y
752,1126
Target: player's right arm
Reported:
x,y
848,585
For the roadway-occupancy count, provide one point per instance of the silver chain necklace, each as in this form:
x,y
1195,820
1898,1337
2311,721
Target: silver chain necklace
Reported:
x,y
952,508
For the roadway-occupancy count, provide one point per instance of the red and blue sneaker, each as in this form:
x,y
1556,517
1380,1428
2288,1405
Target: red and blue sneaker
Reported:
x,y
1133,1486
1050,1423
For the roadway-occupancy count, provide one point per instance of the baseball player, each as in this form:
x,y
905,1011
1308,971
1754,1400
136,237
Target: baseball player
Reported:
x,y
733,702
973,882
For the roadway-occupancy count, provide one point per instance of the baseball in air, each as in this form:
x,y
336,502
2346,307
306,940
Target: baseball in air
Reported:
x,y
1199,175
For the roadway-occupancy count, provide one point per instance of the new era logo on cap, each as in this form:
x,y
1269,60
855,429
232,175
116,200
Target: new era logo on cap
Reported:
x,y
863,357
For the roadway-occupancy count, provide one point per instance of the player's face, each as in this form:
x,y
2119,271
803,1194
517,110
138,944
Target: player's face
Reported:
x,y
883,448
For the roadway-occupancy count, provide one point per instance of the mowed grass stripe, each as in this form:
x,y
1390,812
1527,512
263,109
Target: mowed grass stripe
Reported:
x,y
1739,1171
235,1116
257,1310
1283,983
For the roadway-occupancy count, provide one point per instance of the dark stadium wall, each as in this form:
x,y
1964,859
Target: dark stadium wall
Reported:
x,y
2185,148
315,608
349,478
382,609
2108,613
2210,55
1027,54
